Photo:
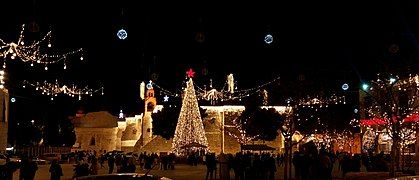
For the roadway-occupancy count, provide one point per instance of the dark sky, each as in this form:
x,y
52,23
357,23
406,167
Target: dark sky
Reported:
x,y
332,43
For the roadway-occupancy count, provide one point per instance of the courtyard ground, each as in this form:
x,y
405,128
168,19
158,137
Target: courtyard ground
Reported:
x,y
181,172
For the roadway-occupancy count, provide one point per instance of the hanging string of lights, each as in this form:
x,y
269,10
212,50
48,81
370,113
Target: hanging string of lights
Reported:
x,y
243,137
37,52
53,89
213,95
321,101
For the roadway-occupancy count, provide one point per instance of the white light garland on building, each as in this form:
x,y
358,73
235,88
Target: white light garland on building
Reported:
x,y
38,52
2,74
53,89
228,92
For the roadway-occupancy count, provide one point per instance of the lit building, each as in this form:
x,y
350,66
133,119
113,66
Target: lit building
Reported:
x,y
4,117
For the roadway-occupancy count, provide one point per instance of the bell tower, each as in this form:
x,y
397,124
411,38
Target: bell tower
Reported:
x,y
149,105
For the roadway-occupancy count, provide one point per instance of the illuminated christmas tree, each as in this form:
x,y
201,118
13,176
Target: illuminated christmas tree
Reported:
x,y
189,129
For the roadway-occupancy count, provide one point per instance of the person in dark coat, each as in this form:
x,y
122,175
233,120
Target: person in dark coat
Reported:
x,y
55,170
211,165
28,169
111,164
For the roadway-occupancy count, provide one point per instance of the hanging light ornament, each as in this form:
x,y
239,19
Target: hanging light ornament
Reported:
x,y
122,34
269,39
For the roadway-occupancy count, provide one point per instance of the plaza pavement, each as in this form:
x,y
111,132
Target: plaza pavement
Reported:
x,y
181,172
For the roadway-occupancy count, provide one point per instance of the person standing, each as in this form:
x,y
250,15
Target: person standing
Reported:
x,y
111,163
55,170
28,169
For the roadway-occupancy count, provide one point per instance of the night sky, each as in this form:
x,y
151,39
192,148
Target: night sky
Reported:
x,y
327,43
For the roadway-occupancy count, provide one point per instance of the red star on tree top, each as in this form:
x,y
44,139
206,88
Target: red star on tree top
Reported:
x,y
190,73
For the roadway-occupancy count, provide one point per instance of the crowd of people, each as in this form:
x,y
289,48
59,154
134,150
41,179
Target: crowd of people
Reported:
x,y
308,162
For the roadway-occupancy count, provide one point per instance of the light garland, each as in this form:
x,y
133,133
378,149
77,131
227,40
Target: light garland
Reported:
x,y
344,139
35,52
53,89
2,74
317,101
228,92
243,137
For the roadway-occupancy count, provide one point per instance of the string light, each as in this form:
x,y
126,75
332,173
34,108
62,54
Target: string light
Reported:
x,y
34,52
225,94
318,101
53,89
380,108
2,75
392,104
243,137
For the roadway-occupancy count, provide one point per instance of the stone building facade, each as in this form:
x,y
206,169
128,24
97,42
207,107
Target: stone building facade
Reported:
x,y
4,118
100,131
219,140
95,131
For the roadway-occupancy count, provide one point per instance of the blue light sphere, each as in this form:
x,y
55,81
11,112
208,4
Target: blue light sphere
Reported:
x,y
269,39
345,87
122,34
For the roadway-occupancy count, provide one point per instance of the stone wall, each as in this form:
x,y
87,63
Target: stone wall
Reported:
x,y
98,139
3,136
4,113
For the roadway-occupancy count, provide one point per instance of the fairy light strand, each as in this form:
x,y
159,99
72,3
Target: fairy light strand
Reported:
x,y
36,52
53,89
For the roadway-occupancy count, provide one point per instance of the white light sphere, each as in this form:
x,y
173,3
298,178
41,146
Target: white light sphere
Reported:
x,y
122,34
269,39
81,58
13,99
345,87
49,45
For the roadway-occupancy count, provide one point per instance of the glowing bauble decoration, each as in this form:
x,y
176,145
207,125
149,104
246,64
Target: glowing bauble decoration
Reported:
x,y
13,99
81,58
149,85
49,45
269,39
345,87
365,87
122,34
